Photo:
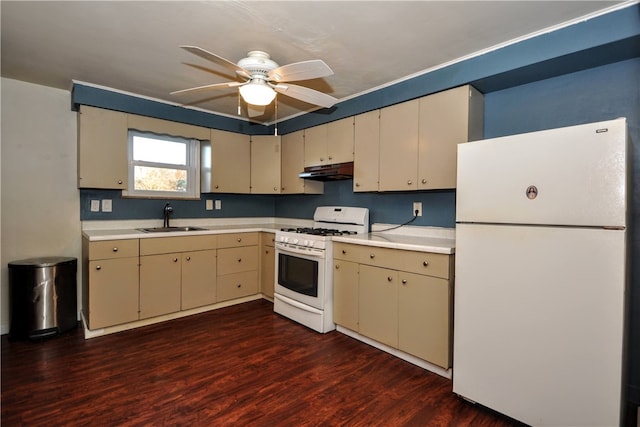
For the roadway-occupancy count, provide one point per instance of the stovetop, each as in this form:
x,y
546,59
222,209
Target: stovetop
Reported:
x,y
319,231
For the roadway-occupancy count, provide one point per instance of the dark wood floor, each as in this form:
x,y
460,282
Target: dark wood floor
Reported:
x,y
237,366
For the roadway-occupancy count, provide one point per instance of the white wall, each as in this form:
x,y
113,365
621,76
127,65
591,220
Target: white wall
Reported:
x,y
40,200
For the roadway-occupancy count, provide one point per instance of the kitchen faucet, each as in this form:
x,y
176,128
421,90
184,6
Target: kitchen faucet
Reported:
x,y
168,210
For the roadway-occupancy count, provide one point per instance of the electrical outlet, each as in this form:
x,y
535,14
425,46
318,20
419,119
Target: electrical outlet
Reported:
x,y
95,206
218,205
106,205
209,205
417,207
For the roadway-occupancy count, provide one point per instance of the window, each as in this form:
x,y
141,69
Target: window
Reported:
x,y
163,166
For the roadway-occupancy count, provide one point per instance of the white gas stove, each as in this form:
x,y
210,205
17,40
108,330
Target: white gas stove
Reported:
x,y
304,265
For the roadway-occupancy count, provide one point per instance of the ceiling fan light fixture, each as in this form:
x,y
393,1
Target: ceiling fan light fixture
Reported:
x,y
257,93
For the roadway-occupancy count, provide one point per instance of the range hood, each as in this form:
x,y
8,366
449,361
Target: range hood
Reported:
x,y
328,172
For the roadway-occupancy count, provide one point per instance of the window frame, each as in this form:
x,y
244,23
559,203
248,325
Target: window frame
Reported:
x,y
192,167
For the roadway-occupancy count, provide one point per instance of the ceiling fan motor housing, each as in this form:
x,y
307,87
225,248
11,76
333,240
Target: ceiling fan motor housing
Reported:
x,y
258,62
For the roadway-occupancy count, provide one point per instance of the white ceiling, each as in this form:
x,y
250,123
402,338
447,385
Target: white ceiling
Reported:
x,y
133,46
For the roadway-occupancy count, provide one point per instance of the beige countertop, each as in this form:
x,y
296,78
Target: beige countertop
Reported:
x,y
423,239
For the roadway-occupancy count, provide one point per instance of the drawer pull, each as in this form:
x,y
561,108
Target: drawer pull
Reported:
x,y
239,285
425,263
424,181
239,259
372,256
188,258
119,181
239,239
404,281
98,267
337,266
344,252
175,260
389,278
409,182
115,249
267,251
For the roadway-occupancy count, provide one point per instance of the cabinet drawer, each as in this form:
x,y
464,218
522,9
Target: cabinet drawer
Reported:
x,y
165,245
109,249
235,260
267,239
437,265
233,240
237,285
427,263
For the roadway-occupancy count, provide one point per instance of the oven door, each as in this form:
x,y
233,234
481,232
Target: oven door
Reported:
x,y
300,275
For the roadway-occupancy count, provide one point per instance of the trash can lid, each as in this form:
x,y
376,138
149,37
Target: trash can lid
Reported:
x,y
42,261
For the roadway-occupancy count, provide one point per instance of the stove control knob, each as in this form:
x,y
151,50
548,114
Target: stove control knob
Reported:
x,y
310,243
295,241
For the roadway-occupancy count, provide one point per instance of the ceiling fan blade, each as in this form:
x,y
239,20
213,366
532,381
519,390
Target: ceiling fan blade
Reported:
x,y
255,110
305,94
304,70
208,87
217,59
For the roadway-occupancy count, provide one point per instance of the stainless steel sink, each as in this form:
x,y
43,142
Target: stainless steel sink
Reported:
x,y
170,229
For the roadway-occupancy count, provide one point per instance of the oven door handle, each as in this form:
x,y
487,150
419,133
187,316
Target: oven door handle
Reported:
x,y
315,253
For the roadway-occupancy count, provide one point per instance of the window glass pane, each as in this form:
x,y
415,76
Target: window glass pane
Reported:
x,y
159,151
160,179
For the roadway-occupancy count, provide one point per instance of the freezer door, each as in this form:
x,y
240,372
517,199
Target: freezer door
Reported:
x,y
568,176
538,323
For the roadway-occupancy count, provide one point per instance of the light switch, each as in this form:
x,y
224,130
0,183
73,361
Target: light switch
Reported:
x,y
218,205
95,206
209,205
106,205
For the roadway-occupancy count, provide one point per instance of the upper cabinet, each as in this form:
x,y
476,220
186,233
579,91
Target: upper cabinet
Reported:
x,y
226,163
419,139
329,143
265,164
102,148
366,151
292,161
399,147
446,119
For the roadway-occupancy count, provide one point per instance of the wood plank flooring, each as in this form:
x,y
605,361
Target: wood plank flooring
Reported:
x,y
237,366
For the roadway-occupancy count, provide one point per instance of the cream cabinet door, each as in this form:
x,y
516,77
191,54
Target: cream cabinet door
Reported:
x,y
292,147
102,148
446,119
424,324
267,264
160,277
340,141
378,309
265,164
366,151
315,146
113,292
198,279
345,294
229,163
399,147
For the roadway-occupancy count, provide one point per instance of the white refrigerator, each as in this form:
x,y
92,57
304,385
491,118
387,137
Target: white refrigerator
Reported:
x,y
540,274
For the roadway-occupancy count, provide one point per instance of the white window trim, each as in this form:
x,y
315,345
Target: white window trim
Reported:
x,y
192,168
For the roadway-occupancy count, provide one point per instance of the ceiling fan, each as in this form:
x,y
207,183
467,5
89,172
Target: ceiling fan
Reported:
x,y
263,77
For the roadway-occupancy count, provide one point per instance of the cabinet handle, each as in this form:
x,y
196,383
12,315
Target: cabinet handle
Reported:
x,y
267,251
98,267
344,252
322,159
188,258
115,249
409,182
330,158
217,186
239,259
372,256
275,188
239,285
424,181
239,239
175,260
357,184
404,281
337,266
425,263
119,181
389,278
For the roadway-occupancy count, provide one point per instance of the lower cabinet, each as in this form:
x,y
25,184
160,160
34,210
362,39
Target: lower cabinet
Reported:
x,y
399,298
237,266
159,284
267,264
198,279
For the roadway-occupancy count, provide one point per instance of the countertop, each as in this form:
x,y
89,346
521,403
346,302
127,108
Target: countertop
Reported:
x,y
422,239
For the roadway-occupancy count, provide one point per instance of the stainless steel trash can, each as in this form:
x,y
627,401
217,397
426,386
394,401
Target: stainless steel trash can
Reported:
x,y
42,296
